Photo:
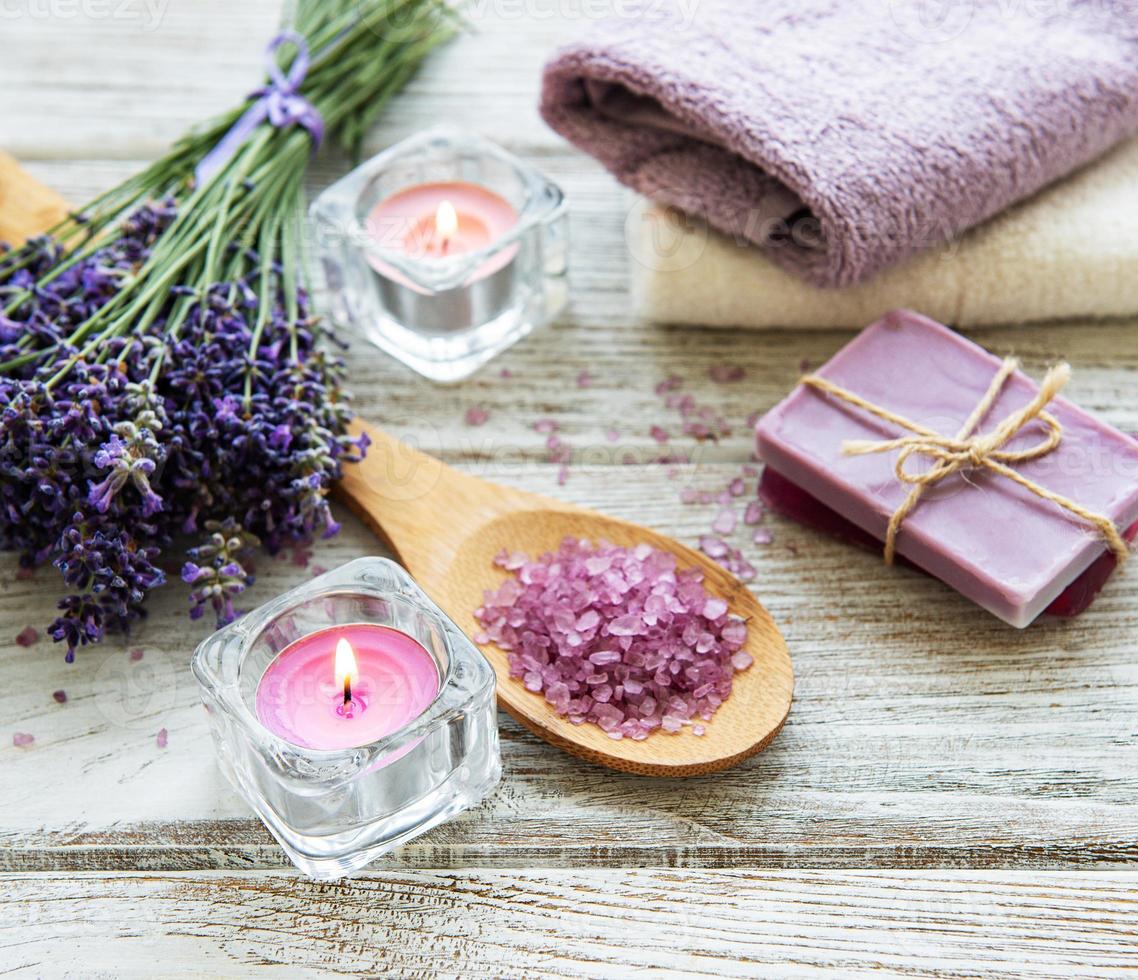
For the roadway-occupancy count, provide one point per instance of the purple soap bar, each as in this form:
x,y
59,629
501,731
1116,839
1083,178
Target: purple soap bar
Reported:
x,y
997,543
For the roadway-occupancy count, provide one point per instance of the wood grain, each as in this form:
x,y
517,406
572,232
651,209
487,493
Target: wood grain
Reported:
x,y
924,735
27,207
573,924
446,527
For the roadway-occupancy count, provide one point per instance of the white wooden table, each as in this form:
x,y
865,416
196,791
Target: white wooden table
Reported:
x,y
965,795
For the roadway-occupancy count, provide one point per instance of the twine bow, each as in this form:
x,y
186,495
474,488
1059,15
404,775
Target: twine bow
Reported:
x,y
280,102
966,450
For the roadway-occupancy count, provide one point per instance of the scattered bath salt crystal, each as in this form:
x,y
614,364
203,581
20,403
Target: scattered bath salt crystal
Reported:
x,y
688,495
670,383
301,556
318,570
724,522
163,738
477,415
27,636
612,435
546,426
727,373
698,729
585,380
762,536
713,547
659,434
754,512
23,740
481,637
59,696
751,471
620,638
505,373
736,487
562,475
136,655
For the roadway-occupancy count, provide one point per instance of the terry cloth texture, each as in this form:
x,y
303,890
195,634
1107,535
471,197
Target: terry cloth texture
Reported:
x,y
843,135
1069,252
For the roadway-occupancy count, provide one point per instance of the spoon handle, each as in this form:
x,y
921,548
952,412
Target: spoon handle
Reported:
x,y
420,507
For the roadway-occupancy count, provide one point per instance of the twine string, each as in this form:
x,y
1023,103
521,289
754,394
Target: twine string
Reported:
x,y
968,450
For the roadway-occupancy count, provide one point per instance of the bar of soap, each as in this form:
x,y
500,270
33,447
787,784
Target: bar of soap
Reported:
x,y
791,501
1006,549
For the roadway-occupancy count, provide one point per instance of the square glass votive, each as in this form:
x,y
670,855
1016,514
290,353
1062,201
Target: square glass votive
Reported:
x,y
389,271
334,811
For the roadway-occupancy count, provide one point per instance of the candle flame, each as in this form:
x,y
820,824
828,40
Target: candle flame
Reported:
x,y
446,221
346,669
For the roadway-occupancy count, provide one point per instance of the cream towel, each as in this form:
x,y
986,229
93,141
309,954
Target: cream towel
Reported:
x,y
1069,252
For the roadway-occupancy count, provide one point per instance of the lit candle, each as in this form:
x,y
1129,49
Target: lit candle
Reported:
x,y
442,220
346,686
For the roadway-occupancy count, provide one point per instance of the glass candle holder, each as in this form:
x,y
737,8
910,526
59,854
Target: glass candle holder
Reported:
x,y
443,312
335,811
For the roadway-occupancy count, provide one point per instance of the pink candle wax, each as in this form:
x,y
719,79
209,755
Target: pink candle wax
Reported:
x,y
308,698
440,221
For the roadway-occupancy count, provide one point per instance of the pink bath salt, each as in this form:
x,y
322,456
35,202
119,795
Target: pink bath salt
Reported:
x,y
689,495
713,547
754,513
724,522
671,383
621,638
562,475
737,487
546,426
27,636
163,738
477,415
612,435
585,380
714,608
726,373
762,536
60,697
136,655
23,740
659,434
505,373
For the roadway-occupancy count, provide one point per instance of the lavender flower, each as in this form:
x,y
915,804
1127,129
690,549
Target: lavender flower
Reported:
x,y
162,435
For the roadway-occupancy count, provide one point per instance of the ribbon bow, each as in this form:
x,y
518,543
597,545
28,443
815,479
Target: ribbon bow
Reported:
x,y
280,102
966,450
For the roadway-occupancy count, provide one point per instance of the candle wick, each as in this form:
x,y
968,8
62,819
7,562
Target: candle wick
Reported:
x,y
347,690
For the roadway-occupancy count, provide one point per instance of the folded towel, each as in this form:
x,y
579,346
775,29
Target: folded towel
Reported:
x,y
1069,252
843,135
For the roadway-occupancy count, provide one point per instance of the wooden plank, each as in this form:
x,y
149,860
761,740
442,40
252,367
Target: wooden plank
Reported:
x,y
573,924
970,744
923,734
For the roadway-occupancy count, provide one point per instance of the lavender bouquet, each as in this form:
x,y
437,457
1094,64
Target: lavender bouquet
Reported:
x,y
162,376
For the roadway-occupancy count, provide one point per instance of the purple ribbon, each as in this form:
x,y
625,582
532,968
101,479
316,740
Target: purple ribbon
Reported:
x,y
279,102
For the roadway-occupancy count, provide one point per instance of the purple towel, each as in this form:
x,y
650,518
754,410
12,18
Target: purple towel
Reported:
x,y
843,135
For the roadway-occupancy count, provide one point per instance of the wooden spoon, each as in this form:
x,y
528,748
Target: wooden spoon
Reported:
x,y
446,527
